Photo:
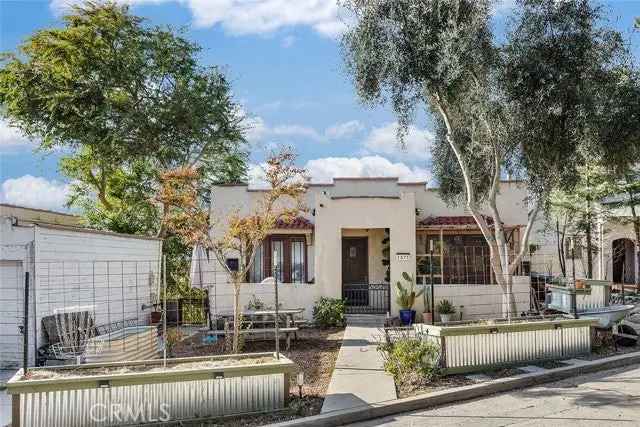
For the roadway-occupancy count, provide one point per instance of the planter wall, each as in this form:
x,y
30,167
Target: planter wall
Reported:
x,y
150,396
595,294
475,347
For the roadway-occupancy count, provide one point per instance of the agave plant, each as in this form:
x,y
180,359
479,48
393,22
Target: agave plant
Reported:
x,y
407,295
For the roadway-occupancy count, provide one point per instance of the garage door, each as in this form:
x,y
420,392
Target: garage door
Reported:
x,y
11,313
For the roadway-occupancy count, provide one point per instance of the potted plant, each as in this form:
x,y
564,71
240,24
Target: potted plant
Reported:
x,y
446,310
427,315
406,299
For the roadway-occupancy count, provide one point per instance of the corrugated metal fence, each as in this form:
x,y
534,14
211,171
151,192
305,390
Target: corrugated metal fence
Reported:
x,y
146,403
478,347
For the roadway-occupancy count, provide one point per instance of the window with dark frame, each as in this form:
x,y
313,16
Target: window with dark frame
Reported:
x,y
291,252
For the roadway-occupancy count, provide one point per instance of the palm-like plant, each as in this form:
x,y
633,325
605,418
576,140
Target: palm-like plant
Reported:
x,y
407,295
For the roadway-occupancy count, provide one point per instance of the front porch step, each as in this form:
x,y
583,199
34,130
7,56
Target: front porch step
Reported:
x,y
365,319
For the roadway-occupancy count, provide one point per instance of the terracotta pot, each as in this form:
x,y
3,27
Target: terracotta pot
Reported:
x,y
427,317
579,284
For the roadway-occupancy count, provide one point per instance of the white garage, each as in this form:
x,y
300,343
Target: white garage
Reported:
x,y
113,277
11,275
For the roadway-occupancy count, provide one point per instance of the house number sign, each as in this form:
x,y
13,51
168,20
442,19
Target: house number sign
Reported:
x,y
403,256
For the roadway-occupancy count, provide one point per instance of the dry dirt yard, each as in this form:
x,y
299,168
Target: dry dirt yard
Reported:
x,y
315,352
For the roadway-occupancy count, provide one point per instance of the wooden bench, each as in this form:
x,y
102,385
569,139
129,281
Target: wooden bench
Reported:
x,y
288,332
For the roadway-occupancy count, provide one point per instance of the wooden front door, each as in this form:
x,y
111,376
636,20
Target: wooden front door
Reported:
x,y
355,260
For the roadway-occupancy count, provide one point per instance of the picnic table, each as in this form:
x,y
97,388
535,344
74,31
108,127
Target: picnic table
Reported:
x,y
254,317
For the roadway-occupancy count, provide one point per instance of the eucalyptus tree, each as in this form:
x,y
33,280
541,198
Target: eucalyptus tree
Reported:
x,y
581,212
516,108
125,101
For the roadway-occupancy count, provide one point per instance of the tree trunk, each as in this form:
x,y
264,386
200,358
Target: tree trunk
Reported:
x,y
162,231
509,307
237,315
589,238
504,280
560,241
502,269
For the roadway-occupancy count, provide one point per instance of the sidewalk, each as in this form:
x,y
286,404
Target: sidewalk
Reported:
x,y
358,377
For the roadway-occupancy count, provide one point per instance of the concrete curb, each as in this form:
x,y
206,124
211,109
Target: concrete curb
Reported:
x,y
426,401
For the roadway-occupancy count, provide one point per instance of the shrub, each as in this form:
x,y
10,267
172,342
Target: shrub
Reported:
x,y
329,312
410,359
445,307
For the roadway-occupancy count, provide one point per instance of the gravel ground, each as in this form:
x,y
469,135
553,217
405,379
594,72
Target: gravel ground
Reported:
x,y
416,387
315,352
80,373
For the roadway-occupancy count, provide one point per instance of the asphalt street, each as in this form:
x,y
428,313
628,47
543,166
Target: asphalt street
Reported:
x,y
608,398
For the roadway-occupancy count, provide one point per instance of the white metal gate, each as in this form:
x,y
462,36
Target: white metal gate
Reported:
x,y
11,313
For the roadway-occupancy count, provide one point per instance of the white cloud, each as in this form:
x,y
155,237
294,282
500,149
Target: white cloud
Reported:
x,y
258,131
11,139
383,140
344,130
255,16
325,169
34,192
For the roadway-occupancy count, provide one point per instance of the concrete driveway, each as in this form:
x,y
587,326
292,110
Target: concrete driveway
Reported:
x,y
608,398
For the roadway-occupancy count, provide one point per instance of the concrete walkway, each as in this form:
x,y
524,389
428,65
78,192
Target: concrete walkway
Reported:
x,y
358,378
606,398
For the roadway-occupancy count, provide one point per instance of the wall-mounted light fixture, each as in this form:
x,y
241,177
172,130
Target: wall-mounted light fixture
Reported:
x,y
300,382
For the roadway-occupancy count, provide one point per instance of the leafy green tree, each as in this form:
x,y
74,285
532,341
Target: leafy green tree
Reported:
x,y
579,212
111,195
518,108
128,101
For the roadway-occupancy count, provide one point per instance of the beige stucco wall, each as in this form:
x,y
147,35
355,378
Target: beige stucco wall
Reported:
x,y
511,202
333,216
364,206
511,199
612,231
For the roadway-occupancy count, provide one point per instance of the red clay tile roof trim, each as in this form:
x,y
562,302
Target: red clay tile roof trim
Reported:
x,y
463,220
298,223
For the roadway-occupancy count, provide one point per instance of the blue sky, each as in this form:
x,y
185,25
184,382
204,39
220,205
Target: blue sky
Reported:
x,y
284,61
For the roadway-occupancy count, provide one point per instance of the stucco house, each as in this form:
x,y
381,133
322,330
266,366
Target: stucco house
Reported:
x,y
361,234
615,253
618,258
